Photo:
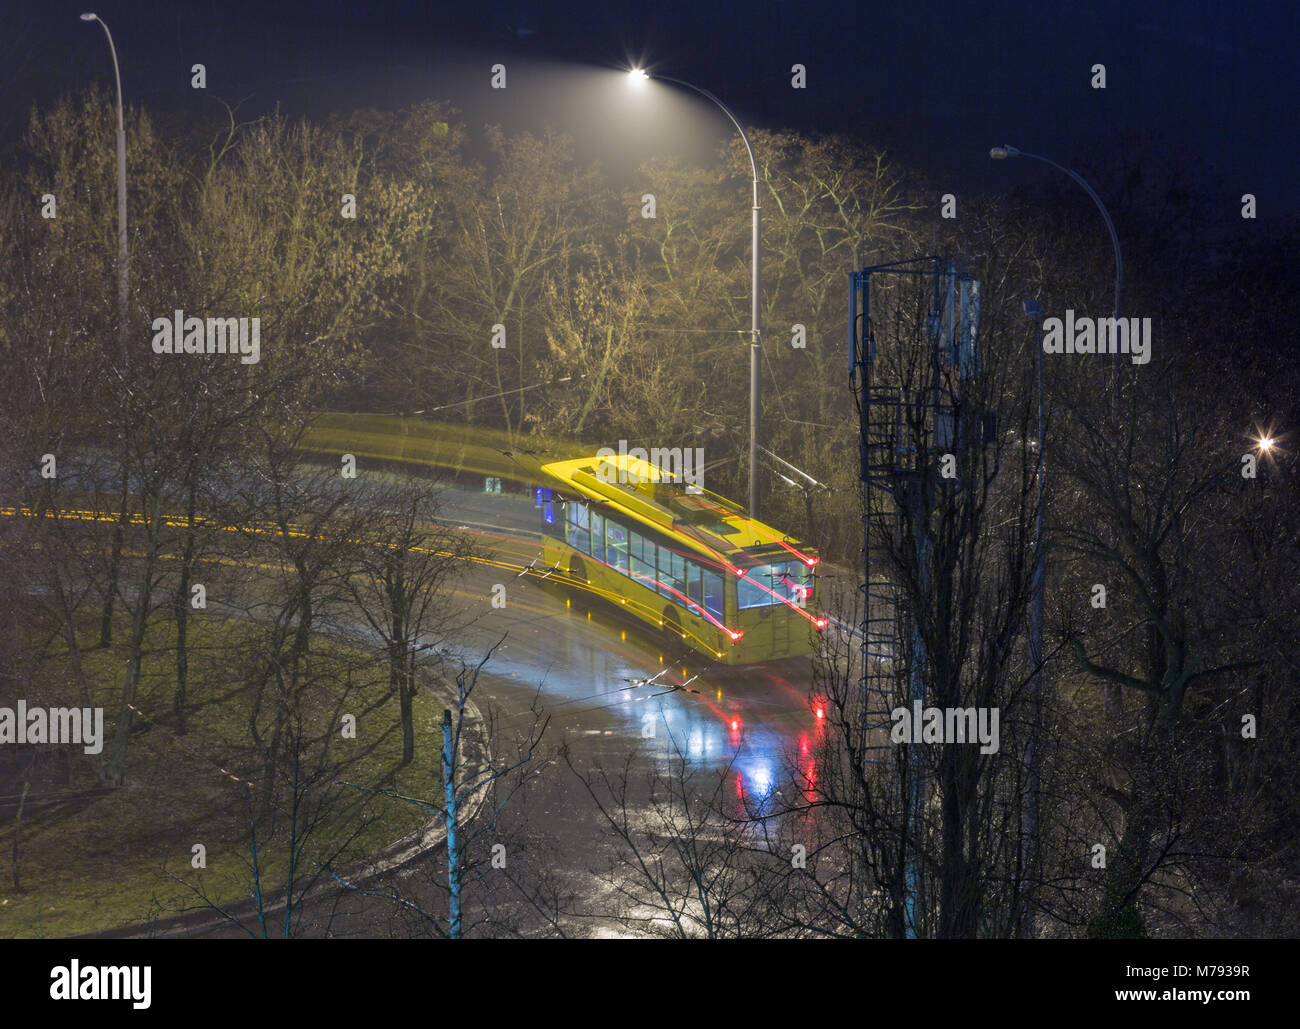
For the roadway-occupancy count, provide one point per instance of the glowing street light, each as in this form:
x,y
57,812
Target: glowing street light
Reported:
x,y
1266,444
637,77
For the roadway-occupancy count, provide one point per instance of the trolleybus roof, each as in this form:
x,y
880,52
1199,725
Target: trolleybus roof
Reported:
x,y
703,520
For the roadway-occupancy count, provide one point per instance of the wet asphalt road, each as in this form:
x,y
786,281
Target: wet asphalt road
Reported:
x,y
587,666
586,657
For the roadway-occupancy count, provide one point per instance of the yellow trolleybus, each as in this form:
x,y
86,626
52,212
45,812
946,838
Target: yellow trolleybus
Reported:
x,y
680,558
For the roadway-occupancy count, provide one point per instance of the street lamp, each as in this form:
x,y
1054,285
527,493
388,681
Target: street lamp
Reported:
x,y
1038,588
637,77
1001,153
122,280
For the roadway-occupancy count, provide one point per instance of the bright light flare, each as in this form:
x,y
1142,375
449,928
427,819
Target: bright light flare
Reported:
x,y
1266,444
637,77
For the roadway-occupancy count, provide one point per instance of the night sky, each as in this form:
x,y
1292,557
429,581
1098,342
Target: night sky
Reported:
x,y
1205,84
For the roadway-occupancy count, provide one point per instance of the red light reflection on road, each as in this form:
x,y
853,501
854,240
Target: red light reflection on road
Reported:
x,y
807,768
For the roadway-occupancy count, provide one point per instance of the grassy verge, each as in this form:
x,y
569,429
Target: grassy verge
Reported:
x,y
94,858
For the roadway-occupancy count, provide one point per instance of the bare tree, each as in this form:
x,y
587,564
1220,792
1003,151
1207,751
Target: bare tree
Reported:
x,y
484,769
1154,543
405,569
302,826
690,859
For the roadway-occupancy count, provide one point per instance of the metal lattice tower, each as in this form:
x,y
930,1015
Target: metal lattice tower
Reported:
x,y
928,314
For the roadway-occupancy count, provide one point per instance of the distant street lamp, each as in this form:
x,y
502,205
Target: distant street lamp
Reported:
x,y
1001,153
1038,591
638,77
122,280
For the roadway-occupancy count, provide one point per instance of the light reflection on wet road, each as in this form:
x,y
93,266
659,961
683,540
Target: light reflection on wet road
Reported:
x,y
592,665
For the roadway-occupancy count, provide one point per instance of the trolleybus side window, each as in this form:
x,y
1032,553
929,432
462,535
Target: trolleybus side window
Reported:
x,y
616,545
643,558
672,574
597,536
694,585
579,527
713,602
661,569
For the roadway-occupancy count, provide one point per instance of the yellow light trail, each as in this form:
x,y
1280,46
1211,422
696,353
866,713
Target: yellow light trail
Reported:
x,y
295,532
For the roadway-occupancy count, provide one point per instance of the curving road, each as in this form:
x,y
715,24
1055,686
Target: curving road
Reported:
x,y
606,679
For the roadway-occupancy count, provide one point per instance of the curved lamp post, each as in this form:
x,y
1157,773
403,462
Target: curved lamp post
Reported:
x,y
638,76
122,280
1000,153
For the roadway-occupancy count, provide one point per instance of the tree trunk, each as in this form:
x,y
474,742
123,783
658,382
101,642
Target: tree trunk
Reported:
x,y
18,829
401,663
182,617
959,887
116,775
1119,916
406,699
114,563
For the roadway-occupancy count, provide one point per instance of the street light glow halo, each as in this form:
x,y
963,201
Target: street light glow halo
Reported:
x,y
637,76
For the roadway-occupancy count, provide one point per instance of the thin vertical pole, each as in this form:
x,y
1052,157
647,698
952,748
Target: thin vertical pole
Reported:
x,y
755,355
453,842
1033,757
